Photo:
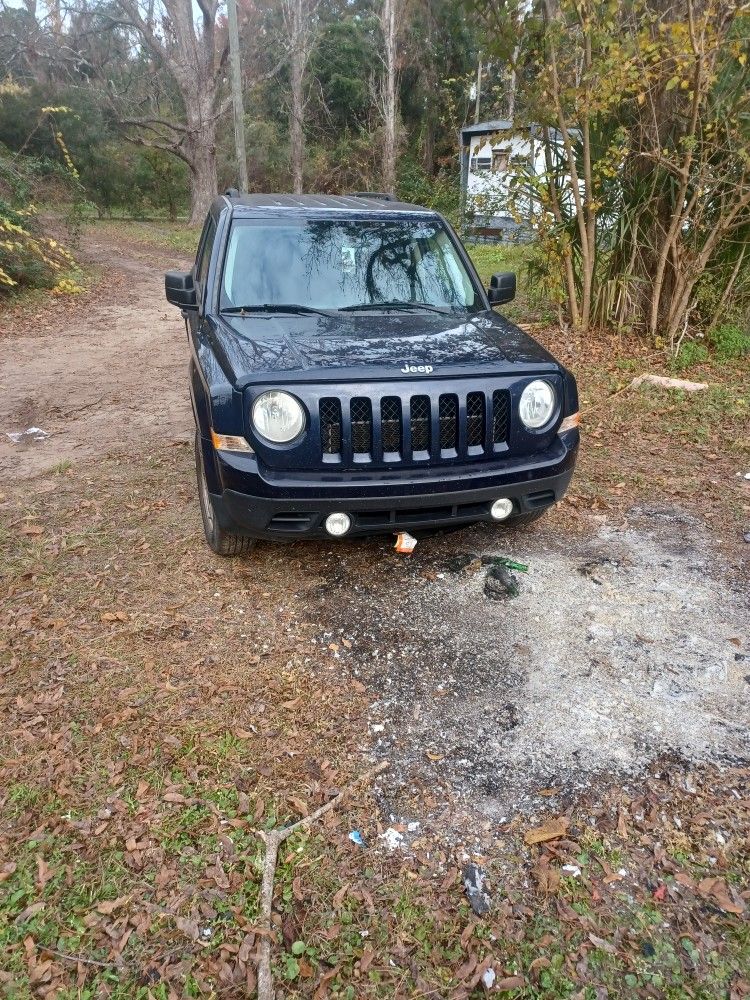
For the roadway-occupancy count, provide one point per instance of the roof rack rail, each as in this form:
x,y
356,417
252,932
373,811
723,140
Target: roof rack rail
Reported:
x,y
232,193
381,195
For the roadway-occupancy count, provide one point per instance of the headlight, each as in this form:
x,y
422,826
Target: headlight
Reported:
x,y
278,417
537,404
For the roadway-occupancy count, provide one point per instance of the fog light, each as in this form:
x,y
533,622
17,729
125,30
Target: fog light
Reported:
x,y
501,509
338,524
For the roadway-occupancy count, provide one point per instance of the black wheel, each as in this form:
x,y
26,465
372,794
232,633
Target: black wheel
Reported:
x,y
223,543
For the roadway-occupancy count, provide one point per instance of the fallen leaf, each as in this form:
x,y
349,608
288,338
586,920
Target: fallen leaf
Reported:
x,y
552,830
7,870
604,945
188,927
29,912
32,529
716,888
510,983
43,872
108,906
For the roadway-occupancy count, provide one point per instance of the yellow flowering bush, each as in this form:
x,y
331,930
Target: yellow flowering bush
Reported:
x,y
27,258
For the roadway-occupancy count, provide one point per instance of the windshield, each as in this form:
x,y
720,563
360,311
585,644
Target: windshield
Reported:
x,y
334,265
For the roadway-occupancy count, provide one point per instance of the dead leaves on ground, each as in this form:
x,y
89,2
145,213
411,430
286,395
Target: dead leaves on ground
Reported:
x,y
553,829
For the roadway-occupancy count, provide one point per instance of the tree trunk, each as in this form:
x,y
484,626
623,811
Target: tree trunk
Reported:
x,y
430,84
199,147
194,56
513,84
299,48
204,184
389,94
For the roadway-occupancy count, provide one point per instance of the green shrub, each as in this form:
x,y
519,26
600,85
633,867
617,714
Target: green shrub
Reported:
x,y
27,258
439,192
730,341
690,354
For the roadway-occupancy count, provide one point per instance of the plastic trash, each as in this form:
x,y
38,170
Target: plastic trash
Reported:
x,y
405,543
504,561
27,436
356,838
488,978
392,838
478,897
500,583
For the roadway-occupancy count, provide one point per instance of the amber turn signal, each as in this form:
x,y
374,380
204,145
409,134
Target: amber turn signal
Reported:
x,y
229,442
569,423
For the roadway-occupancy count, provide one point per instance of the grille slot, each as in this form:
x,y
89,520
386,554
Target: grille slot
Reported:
x,y
500,415
448,422
420,423
330,426
475,419
361,415
390,423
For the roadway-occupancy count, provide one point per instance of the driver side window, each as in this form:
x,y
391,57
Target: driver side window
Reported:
x,y
204,253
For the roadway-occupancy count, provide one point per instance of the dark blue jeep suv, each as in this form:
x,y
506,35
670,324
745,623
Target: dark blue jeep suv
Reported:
x,y
349,375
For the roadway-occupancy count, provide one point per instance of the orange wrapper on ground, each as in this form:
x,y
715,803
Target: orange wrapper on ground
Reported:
x,y
405,543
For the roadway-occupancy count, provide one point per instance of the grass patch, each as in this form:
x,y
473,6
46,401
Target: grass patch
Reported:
x,y
178,236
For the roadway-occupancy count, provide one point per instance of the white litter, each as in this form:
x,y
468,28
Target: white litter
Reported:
x,y
393,839
30,434
573,870
488,978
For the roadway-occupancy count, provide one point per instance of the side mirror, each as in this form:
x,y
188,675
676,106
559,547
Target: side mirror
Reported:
x,y
502,288
180,289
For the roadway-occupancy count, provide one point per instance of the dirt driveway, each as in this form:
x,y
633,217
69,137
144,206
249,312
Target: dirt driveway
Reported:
x,y
101,378
143,675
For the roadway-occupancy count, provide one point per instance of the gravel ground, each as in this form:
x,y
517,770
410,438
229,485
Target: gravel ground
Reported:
x,y
626,644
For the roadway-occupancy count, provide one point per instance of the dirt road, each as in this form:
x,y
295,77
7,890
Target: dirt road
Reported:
x,y
108,377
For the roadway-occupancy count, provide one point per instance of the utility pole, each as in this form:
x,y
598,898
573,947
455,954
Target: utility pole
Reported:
x,y
239,112
478,89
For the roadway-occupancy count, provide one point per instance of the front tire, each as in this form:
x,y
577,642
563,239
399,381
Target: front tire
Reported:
x,y
223,543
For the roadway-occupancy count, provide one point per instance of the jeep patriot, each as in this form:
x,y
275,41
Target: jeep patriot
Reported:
x,y
349,375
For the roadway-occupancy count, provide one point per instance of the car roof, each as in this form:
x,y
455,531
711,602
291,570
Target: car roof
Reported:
x,y
249,204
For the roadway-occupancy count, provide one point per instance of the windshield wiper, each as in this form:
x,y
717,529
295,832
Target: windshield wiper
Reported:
x,y
374,306
275,307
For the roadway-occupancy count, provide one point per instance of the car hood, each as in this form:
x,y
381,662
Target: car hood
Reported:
x,y
360,347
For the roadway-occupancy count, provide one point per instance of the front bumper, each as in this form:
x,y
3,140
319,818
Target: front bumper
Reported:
x,y
263,506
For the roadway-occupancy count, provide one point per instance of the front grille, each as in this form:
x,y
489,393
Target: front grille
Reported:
x,y
475,419
361,426
386,429
420,423
390,423
448,409
500,415
330,426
